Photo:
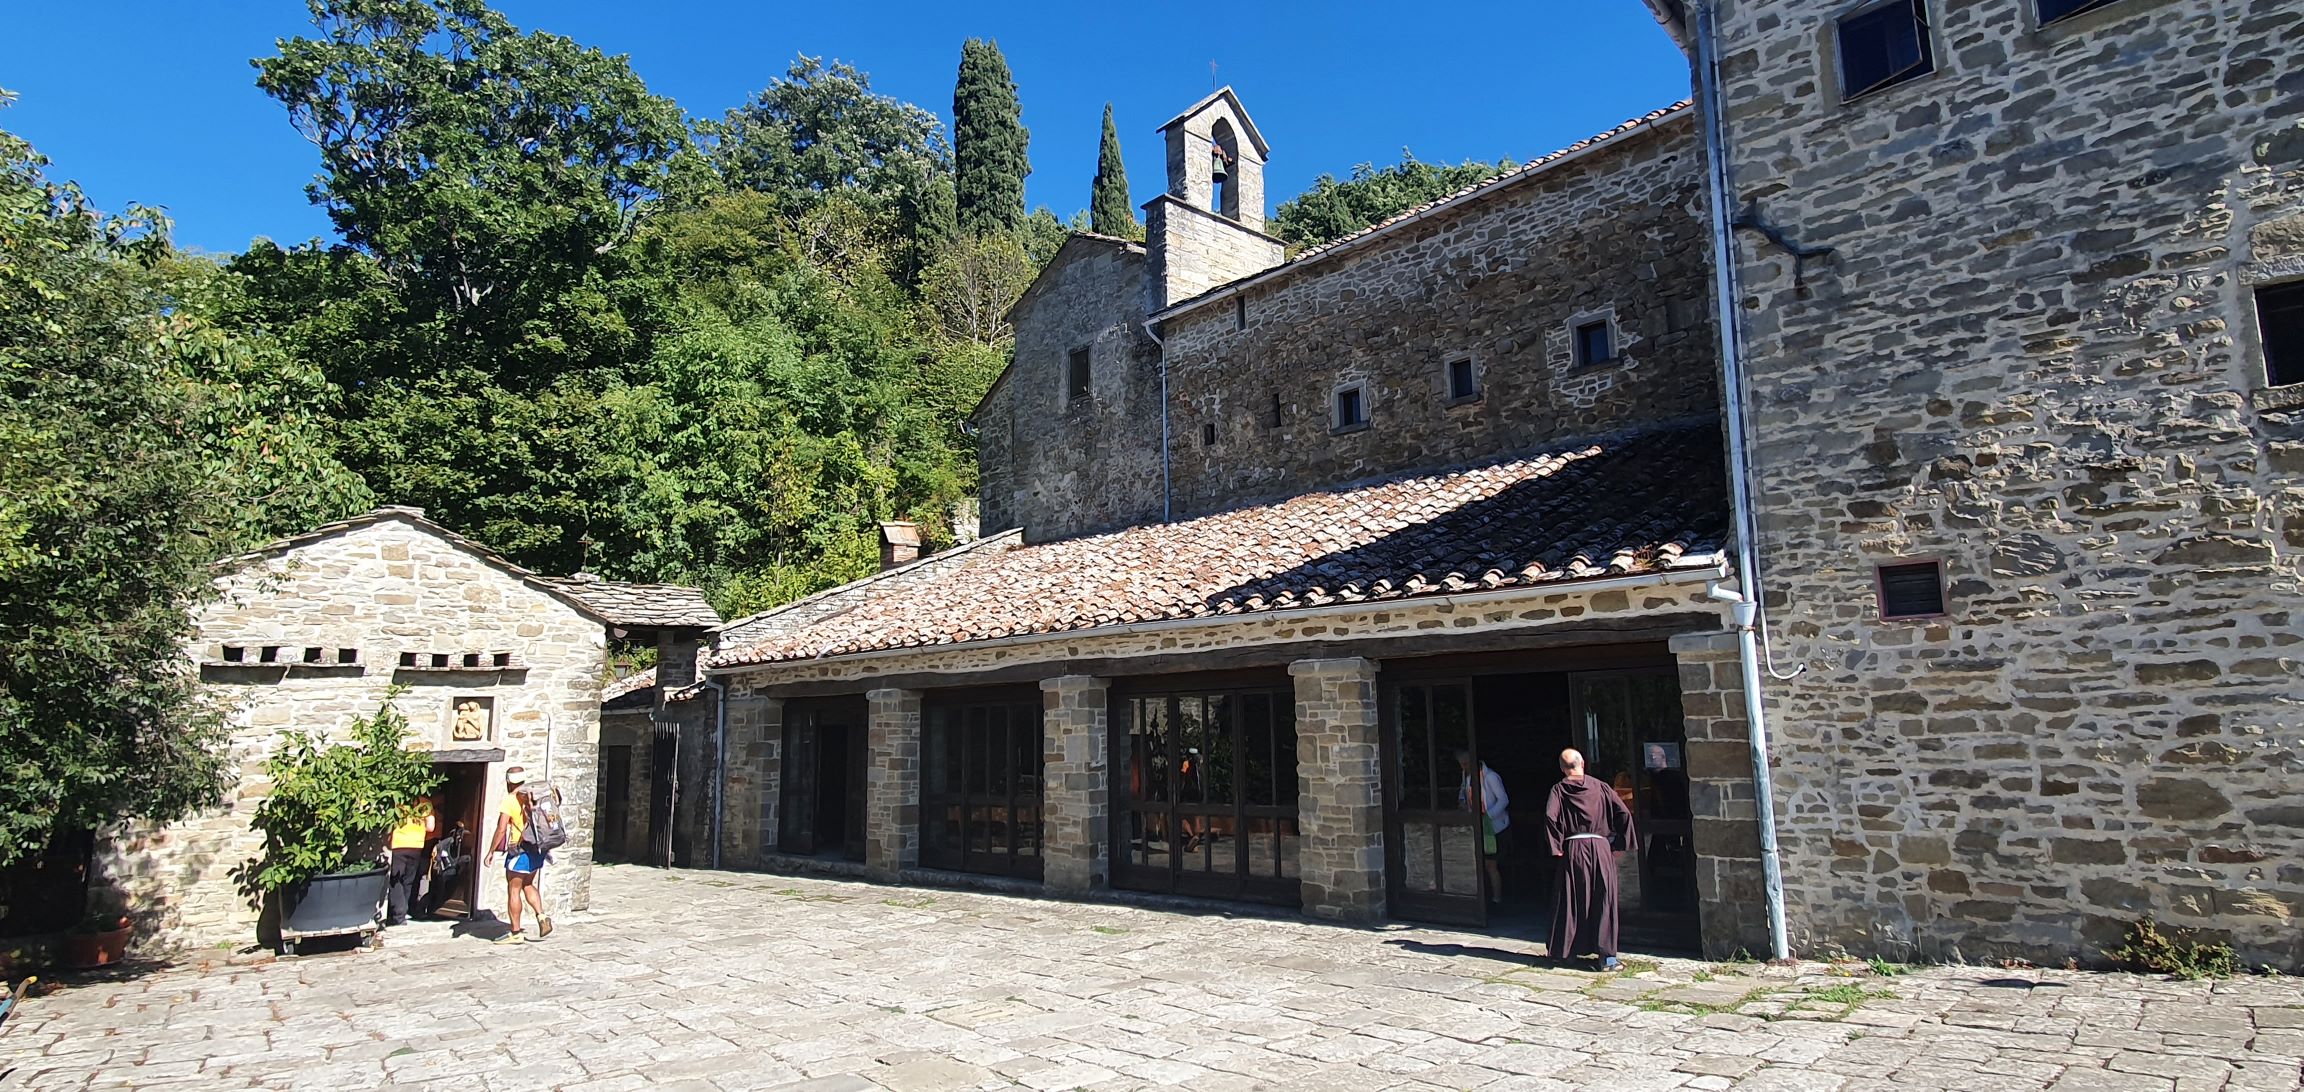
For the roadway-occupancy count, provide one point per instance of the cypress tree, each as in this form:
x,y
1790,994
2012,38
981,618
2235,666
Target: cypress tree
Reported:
x,y
988,142
1109,211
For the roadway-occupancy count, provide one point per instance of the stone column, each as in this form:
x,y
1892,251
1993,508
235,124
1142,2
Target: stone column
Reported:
x,y
1340,809
892,783
1731,892
755,756
1076,803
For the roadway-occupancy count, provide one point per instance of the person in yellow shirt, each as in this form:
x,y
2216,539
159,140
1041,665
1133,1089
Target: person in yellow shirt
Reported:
x,y
408,859
523,864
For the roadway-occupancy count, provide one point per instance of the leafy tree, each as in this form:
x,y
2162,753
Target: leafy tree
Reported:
x,y
989,142
972,286
139,442
820,130
1331,210
1109,210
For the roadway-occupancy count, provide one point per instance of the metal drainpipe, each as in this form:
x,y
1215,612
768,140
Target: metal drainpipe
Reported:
x,y
1167,494
1747,609
719,761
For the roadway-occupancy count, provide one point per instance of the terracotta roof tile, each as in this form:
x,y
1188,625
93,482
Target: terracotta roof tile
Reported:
x,y
1631,503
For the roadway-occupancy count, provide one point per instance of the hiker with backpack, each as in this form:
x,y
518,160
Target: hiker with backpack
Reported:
x,y
528,828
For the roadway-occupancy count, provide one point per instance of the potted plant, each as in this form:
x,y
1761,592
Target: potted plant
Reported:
x,y
99,940
325,820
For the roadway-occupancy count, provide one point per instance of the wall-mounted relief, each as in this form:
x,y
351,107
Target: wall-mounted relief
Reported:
x,y
472,720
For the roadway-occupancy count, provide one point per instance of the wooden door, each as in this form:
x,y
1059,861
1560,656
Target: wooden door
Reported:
x,y
797,833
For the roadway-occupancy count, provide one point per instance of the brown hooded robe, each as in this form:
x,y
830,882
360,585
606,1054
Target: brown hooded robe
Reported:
x,y
1584,889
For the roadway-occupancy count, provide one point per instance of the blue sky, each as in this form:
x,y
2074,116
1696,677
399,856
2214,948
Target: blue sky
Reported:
x,y
155,101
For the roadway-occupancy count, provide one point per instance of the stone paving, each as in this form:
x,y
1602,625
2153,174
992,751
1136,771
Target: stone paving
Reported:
x,y
721,981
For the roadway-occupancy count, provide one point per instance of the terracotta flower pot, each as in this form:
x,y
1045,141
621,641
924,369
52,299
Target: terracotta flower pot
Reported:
x,y
104,949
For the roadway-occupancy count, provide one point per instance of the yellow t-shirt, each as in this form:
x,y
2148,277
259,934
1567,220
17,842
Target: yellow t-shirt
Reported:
x,y
410,835
517,817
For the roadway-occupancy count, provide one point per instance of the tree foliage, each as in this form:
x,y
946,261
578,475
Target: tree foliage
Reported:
x,y
989,142
329,801
1331,210
1109,210
139,442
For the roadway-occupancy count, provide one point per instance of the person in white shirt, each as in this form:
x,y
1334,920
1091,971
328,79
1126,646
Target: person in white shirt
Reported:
x,y
1494,806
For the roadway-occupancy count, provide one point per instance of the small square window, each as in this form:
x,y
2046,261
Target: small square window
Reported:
x,y
1351,408
1595,343
2052,10
1884,45
1463,380
1076,376
1913,590
2280,316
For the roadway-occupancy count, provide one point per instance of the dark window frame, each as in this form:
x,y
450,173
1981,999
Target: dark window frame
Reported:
x,y
1278,416
2070,9
2280,331
1079,375
1208,434
1880,581
1239,312
1358,393
1467,391
1581,350
1924,44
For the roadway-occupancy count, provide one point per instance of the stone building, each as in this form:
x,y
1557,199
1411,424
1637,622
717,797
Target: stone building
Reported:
x,y
494,667
1282,536
2021,294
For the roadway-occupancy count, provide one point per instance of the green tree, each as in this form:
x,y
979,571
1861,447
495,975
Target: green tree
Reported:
x,y
820,130
989,142
139,443
1109,210
1331,210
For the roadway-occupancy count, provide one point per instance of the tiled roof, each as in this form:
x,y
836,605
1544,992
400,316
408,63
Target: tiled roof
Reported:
x,y
662,605
1530,169
629,684
1632,503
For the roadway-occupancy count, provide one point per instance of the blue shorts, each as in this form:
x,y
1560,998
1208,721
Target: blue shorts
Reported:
x,y
524,863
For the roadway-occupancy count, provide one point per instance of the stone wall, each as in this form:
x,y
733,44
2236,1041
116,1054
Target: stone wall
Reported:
x,y
1194,250
755,762
383,588
1498,279
892,783
1730,885
1340,809
1076,803
2031,355
1059,466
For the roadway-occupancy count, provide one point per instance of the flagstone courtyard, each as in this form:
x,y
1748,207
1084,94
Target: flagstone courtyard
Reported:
x,y
708,981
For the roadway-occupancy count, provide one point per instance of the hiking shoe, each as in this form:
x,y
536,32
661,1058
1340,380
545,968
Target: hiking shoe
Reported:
x,y
543,928
513,937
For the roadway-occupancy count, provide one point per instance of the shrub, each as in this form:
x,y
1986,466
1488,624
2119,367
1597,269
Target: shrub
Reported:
x,y
2151,949
329,802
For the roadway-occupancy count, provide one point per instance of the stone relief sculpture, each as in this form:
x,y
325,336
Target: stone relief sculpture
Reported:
x,y
471,721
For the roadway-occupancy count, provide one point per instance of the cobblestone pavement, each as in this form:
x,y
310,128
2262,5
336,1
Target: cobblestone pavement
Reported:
x,y
710,981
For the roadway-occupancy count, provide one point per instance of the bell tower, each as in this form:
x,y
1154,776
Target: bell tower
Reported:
x,y
1208,229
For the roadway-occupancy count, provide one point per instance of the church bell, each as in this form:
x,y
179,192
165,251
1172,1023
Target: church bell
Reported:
x,y
1216,169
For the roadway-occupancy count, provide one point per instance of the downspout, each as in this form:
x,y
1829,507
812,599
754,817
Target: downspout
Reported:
x,y
719,763
1167,493
1745,603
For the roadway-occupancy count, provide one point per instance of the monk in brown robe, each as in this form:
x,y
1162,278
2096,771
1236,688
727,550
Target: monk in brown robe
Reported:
x,y
1587,825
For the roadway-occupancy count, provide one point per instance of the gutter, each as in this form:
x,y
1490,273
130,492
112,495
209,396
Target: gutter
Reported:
x,y
1700,572
1745,601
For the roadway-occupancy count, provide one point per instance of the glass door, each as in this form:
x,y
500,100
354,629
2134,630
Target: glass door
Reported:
x,y
1207,794
1432,843
981,787
1633,735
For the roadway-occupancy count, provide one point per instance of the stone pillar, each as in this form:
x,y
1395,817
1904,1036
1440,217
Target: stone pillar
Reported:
x,y
1731,892
1340,809
892,783
1076,803
755,758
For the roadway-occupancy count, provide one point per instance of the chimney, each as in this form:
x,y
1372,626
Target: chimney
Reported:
x,y
899,544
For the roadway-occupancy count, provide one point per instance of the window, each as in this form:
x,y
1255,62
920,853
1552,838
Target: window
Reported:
x,y
2052,10
1912,590
1239,312
1595,343
1463,381
1274,420
2280,315
1076,376
1884,45
1208,435
1352,407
